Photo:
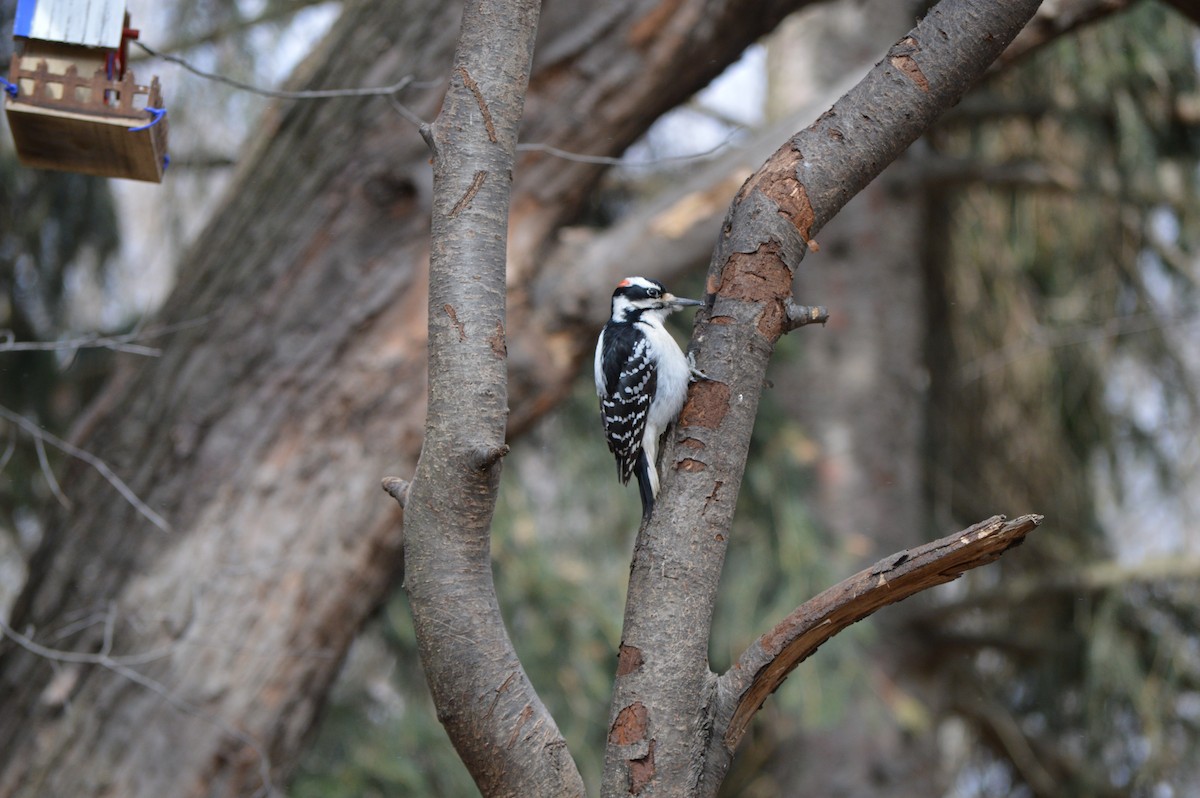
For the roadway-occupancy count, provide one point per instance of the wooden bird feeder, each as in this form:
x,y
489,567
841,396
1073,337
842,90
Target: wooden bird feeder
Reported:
x,y
71,103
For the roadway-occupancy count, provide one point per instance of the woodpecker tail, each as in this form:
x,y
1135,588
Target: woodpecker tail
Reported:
x,y
645,483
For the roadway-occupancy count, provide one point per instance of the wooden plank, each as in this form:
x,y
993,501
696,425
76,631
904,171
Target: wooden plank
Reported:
x,y
52,139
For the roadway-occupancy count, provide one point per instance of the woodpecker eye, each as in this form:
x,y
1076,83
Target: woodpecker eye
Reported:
x,y
653,293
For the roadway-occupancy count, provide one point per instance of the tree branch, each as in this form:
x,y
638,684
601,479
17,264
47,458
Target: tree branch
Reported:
x,y
800,315
763,667
661,718
501,729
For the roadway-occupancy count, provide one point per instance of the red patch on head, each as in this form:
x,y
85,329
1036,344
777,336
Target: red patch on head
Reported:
x,y
624,283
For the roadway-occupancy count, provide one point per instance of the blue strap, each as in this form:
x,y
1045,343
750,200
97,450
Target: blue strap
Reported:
x,y
12,88
157,113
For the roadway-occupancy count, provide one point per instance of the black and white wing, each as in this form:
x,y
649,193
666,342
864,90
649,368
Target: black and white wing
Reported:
x,y
626,381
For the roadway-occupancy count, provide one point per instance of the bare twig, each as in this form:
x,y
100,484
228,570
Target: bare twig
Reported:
x,y
318,94
48,472
118,343
9,448
1043,339
1016,745
397,488
409,115
801,315
762,668
102,658
623,161
39,434
122,666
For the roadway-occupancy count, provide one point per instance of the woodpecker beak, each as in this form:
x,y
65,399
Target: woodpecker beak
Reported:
x,y
678,302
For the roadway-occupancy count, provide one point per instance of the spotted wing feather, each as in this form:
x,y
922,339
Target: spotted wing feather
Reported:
x,y
629,385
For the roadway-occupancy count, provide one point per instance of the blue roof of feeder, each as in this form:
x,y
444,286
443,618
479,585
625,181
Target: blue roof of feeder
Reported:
x,y
93,23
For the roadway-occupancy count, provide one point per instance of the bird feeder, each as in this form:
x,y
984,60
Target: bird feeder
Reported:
x,y
72,104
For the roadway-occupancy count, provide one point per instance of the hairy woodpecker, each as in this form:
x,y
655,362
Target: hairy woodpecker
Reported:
x,y
642,379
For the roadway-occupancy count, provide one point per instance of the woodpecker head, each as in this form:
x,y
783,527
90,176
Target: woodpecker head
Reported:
x,y
636,297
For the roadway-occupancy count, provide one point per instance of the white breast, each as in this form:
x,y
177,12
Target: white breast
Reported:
x,y
673,375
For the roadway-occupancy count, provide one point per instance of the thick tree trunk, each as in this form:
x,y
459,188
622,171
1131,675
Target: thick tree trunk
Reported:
x,y
192,661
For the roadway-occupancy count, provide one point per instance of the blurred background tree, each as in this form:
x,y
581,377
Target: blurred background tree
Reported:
x,y
1014,328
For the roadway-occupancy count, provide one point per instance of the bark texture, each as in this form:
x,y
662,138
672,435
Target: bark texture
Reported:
x,y
859,389
661,719
496,721
193,662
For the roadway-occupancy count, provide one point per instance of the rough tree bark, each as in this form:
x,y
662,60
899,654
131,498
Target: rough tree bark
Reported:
x,y
499,726
666,700
192,662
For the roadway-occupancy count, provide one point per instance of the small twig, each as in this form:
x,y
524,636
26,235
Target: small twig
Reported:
x,y
9,449
398,489
118,343
1017,746
317,94
484,457
95,462
48,472
800,315
121,667
410,116
608,160
79,657
1043,339
407,113
110,625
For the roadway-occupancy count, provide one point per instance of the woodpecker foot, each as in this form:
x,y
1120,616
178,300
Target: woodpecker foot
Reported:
x,y
695,374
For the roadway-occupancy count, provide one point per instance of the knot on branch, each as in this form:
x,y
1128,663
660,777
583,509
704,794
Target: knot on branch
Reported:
x,y
397,488
484,457
800,315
